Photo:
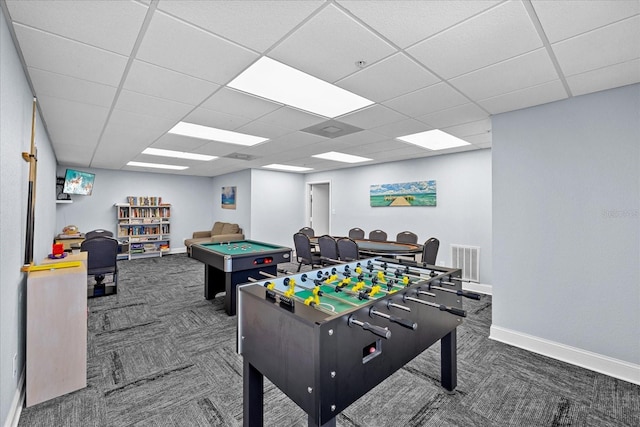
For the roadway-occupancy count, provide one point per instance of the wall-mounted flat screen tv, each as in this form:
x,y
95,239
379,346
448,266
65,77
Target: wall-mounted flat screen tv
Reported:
x,y
78,182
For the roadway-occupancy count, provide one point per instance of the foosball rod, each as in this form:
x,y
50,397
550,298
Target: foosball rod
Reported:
x,y
459,292
281,294
453,310
310,289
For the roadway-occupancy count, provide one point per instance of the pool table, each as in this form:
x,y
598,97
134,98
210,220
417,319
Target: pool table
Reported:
x,y
228,264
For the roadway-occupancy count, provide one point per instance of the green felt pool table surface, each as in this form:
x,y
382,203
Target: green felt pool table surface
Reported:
x,y
240,247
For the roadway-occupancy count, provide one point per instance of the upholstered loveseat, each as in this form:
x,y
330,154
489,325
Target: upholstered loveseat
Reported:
x,y
221,232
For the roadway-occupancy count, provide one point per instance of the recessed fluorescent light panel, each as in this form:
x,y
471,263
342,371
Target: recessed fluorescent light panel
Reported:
x,y
157,166
341,157
177,154
433,140
287,168
280,83
212,134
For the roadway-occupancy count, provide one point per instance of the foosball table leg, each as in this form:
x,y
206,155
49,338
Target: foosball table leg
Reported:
x,y
330,423
253,395
449,361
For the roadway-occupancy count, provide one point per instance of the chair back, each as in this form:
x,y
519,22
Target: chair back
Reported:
x,y
348,249
98,232
356,233
378,235
102,254
430,251
407,237
308,231
328,247
303,247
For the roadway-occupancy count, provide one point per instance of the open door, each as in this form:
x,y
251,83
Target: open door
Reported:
x,y
320,207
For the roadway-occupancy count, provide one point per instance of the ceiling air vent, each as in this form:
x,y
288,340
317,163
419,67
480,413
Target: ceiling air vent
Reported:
x,y
331,129
240,156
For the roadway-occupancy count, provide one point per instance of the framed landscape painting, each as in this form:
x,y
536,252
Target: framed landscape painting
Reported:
x,y
417,193
228,197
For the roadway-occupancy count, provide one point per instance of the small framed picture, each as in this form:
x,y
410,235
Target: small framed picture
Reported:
x,y
228,197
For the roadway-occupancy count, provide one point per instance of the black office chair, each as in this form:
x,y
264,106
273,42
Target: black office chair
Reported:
x,y
356,233
328,250
102,255
430,251
378,235
308,231
97,232
347,250
303,251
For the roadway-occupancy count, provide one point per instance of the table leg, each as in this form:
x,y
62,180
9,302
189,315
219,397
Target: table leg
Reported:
x,y
449,362
253,394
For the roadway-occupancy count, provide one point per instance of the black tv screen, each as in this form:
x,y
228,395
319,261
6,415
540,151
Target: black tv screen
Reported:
x,y
78,182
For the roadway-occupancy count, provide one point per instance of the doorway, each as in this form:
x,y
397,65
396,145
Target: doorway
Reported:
x,y
319,207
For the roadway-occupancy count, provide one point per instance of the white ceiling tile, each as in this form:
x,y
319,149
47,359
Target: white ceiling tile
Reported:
x,y
427,100
617,75
72,89
564,19
380,81
291,118
328,46
503,32
73,123
528,97
472,128
378,147
216,119
376,115
240,104
600,48
164,83
453,116
108,25
479,139
287,142
264,22
181,47
406,22
514,74
218,149
404,127
63,56
359,138
264,130
74,155
151,106
170,141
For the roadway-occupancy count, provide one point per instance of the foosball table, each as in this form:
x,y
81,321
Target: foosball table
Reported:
x,y
326,337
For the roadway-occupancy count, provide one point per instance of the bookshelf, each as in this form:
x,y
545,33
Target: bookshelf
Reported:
x,y
144,227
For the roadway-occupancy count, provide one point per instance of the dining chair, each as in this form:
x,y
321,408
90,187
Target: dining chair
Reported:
x,y
102,257
378,235
347,250
308,231
407,237
303,251
430,251
97,232
356,233
328,249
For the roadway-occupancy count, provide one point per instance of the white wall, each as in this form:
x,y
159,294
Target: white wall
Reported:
x,y
566,228
462,215
241,215
277,204
15,137
190,197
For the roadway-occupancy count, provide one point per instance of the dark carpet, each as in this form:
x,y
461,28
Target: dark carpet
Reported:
x,y
159,354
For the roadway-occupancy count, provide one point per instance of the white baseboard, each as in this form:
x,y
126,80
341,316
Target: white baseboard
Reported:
x,y
181,250
16,404
585,359
477,287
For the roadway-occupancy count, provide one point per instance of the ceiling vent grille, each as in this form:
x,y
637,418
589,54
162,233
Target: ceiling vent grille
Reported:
x,y
332,129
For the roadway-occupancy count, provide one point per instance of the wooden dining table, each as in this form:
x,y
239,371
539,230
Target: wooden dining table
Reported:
x,y
369,247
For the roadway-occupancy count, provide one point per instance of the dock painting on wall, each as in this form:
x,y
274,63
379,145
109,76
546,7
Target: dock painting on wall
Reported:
x,y
417,193
228,197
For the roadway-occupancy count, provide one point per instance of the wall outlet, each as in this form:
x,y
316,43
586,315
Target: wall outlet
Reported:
x,y
15,365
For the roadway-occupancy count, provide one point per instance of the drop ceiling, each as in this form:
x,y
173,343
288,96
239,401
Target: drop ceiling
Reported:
x,y
112,77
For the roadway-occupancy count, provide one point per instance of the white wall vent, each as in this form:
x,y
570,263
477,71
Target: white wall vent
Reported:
x,y
466,258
